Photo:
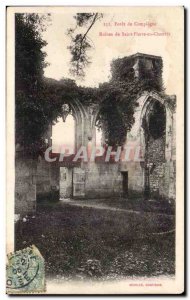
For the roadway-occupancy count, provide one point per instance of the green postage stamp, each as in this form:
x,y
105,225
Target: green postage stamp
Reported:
x,y
25,272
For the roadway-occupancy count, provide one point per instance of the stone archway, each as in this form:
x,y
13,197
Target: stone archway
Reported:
x,y
49,174
162,166
154,127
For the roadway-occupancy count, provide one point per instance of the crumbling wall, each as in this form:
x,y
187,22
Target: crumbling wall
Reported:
x,y
156,160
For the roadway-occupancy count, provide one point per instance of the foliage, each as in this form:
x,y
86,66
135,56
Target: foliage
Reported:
x,y
119,98
29,57
81,43
116,114
29,66
149,78
38,100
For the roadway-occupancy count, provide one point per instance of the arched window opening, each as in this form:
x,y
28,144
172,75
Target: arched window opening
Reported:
x,y
63,135
99,136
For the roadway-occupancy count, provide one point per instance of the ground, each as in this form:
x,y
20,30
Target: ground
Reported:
x,y
100,241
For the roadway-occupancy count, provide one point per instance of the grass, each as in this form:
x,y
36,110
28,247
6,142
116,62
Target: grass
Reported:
x,y
81,242
142,205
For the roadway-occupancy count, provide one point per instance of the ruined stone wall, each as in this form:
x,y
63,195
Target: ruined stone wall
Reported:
x,y
25,186
43,177
47,180
168,181
55,176
103,180
158,154
156,159
135,177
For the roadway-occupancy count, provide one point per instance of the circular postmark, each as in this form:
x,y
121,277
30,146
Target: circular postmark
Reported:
x,y
23,268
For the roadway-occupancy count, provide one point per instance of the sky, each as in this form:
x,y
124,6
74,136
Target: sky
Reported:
x,y
63,135
106,48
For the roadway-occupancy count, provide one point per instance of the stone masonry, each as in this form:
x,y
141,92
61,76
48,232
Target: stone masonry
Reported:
x,y
153,174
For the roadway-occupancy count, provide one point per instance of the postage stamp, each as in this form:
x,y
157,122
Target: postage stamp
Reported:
x,y
25,272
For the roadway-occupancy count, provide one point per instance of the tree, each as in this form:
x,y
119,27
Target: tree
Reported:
x,y
81,43
31,112
38,100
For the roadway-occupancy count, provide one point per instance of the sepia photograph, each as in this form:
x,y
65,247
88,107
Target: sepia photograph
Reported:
x,y
95,111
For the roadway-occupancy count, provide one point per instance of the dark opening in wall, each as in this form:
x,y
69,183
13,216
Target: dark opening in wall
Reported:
x,y
125,183
157,120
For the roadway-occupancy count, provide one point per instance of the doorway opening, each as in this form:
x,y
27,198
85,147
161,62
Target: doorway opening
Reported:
x,y
125,183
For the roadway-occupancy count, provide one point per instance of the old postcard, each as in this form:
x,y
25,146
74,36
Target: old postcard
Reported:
x,y
95,142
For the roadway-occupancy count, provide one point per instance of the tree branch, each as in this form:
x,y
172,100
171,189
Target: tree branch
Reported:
x,y
80,46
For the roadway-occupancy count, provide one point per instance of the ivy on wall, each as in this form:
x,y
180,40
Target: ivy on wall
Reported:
x,y
119,96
